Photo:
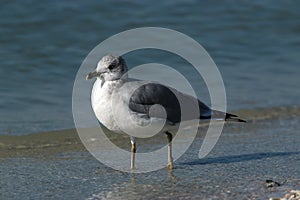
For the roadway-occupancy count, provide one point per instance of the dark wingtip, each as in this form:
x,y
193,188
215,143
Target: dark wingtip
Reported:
x,y
241,120
232,117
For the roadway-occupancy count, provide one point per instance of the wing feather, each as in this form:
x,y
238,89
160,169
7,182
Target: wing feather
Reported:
x,y
151,94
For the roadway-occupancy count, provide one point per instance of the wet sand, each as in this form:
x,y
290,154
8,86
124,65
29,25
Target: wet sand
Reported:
x,y
50,143
56,165
41,144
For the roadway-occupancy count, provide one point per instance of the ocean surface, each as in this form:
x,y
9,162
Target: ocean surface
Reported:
x,y
255,45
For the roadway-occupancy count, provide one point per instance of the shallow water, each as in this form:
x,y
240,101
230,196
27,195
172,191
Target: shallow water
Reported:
x,y
245,156
254,43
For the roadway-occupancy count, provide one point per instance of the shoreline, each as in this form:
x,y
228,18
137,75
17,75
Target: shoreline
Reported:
x,y
40,144
246,156
53,142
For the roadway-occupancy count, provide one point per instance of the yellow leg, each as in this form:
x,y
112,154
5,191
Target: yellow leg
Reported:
x,y
170,159
133,151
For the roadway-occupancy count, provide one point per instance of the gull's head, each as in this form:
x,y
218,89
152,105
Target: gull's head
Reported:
x,y
109,68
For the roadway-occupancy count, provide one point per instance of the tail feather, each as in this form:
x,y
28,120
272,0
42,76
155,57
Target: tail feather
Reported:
x,y
218,115
232,117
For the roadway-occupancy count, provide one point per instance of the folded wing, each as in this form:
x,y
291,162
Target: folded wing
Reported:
x,y
150,94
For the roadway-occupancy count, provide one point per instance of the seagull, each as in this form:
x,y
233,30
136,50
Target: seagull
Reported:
x,y
112,91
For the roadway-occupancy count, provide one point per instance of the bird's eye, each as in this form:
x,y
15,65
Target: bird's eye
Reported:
x,y
111,66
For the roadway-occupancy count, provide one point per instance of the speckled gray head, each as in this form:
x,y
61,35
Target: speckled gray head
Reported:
x,y
109,68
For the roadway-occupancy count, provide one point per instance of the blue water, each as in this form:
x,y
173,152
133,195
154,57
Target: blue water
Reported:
x,y
255,44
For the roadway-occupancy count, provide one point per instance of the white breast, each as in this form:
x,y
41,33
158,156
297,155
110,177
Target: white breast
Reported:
x,y
102,104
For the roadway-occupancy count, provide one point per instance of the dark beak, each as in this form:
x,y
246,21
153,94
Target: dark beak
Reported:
x,y
92,75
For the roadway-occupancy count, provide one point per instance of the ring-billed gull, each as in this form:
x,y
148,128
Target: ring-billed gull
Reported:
x,y
107,95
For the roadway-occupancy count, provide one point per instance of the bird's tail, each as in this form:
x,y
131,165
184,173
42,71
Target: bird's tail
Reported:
x,y
218,115
232,117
